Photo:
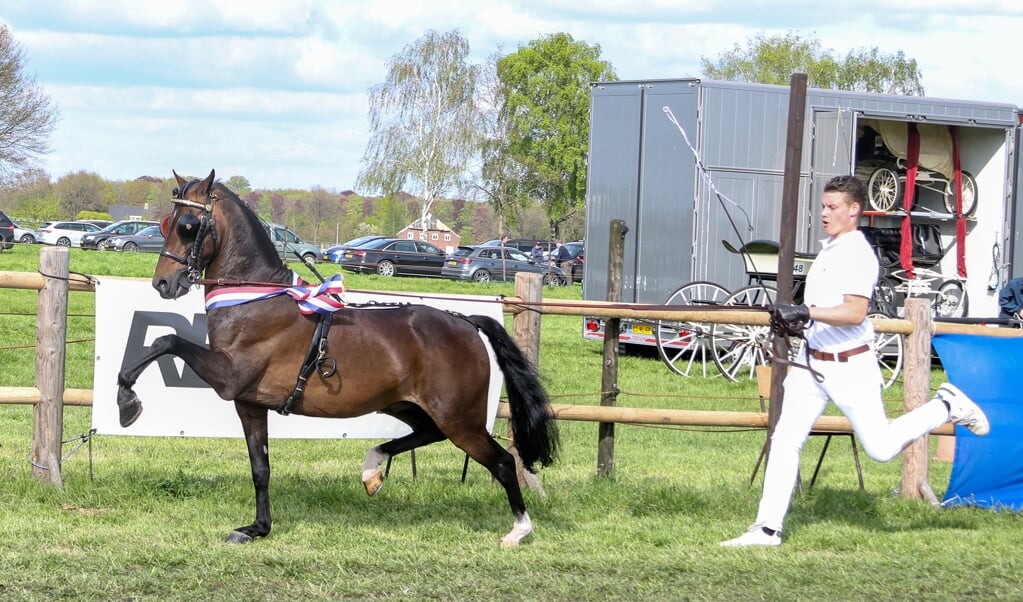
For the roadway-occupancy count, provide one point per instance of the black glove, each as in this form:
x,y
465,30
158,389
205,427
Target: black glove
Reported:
x,y
789,319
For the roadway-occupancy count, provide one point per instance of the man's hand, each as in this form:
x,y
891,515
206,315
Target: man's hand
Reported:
x,y
789,319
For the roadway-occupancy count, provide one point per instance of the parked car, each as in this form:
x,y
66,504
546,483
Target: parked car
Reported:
x,y
576,260
290,246
121,228
147,239
394,257
99,223
333,254
64,234
25,236
484,264
6,232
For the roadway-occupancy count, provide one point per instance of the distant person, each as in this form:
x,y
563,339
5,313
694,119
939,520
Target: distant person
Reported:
x,y
1010,299
563,258
504,240
536,253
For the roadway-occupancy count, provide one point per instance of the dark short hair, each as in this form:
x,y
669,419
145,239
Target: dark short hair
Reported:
x,y
851,186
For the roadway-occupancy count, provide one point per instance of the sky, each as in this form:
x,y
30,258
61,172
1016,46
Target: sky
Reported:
x,y
277,91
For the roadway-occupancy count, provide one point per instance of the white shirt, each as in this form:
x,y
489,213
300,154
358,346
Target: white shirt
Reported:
x,y
845,265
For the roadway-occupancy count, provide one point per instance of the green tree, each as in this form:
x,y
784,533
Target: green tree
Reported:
x,y
83,191
321,207
27,116
498,175
773,60
239,185
423,120
548,104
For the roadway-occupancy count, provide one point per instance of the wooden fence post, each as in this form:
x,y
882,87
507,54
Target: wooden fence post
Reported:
x,y
526,323
609,376
916,392
51,334
526,332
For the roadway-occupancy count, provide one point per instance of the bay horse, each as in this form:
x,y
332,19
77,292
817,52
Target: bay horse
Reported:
x,y
425,367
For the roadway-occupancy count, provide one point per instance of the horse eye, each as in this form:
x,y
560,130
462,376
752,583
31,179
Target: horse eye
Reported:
x,y
188,226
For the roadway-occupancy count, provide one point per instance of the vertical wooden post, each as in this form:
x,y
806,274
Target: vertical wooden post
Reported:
x,y
526,332
51,337
787,236
526,323
917,388
609,376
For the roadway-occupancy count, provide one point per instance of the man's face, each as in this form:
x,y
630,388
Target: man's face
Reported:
x,y
837,215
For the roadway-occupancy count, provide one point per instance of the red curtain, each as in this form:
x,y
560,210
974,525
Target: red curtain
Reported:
x,y
958,191
912,160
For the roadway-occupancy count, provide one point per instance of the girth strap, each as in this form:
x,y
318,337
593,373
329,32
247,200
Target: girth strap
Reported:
x,y
316,357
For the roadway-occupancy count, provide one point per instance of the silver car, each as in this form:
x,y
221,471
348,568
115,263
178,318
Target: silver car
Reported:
x,y
484,264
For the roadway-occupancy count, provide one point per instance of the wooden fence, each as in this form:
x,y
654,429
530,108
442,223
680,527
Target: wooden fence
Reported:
x,y
49,395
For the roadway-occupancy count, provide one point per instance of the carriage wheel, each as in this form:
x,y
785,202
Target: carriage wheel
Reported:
x,y
969,195
951,300
883,189
681,344
889,348
883,301
739,349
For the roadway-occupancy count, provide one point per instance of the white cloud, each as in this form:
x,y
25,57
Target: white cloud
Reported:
x,y
276,91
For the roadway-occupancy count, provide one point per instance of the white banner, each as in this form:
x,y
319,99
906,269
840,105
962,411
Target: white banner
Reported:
x,y
130,315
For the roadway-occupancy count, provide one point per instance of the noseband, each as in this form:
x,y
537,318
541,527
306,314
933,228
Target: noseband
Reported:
x,y
205,227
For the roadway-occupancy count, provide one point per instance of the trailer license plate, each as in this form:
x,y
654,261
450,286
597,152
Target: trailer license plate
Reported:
x,y
642,329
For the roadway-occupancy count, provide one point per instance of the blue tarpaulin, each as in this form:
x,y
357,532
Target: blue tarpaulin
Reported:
x,y
987,471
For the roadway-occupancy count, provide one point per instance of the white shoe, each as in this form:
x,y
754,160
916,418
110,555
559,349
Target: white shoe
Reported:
x,y
755,536
962,410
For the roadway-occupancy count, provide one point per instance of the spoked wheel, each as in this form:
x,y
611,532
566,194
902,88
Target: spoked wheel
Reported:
x,y
951,300
739,349
682,344
884,301
889,348
883,189
969,195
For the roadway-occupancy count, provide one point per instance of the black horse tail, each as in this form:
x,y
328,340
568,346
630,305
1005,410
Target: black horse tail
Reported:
x,y
533,426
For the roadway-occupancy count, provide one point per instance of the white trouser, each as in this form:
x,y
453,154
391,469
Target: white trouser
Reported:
x,y
855,387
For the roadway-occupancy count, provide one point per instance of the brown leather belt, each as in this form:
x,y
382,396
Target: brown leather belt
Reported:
x,y
841,356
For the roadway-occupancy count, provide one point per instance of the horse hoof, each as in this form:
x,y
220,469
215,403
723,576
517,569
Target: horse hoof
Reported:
x,y
238,537
129,407
373,483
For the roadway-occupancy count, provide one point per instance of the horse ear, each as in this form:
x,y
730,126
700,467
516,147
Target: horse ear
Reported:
x,y
181,181
206,185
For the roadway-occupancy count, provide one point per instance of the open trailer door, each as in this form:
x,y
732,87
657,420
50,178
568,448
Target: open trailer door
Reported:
x,y
832,153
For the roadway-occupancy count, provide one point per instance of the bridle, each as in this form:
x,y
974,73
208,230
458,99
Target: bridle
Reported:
x,y
191,228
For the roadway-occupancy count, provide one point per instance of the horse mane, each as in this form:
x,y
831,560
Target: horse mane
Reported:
x,y
261,244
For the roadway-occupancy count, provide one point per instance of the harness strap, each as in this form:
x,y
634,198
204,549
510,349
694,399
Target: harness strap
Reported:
x,y
317,358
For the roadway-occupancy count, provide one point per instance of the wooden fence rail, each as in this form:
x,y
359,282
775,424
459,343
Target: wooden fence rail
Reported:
x,y
49,396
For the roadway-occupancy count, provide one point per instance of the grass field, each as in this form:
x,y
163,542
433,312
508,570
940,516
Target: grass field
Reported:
x,y
149,523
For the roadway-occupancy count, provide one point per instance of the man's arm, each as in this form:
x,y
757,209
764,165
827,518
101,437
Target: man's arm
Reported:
x,y
852,311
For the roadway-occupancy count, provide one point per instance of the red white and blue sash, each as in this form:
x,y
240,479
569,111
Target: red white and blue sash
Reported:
x,y
312,298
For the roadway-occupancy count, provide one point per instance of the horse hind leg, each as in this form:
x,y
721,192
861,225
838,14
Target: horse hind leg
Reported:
x,y
485,450
424,432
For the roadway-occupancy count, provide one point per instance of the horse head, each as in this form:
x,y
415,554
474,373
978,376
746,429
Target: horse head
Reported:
x,y
210,232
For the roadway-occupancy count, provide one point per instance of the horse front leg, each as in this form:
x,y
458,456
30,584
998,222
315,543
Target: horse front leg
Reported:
x,y
213,368
256,437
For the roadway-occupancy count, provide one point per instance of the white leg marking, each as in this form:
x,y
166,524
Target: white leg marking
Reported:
x,y
371,467
521,528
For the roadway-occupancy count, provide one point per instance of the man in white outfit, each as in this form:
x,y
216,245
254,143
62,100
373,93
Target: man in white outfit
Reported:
x,y
839,346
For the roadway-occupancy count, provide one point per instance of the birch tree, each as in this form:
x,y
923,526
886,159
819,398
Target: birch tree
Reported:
x,y
27,116
423,121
